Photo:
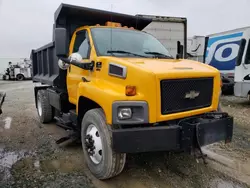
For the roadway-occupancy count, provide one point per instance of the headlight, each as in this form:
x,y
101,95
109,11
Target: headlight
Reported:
x,y
129,112
124,113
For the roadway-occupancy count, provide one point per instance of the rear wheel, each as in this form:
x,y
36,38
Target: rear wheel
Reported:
x,y
102,161
19,77
44,109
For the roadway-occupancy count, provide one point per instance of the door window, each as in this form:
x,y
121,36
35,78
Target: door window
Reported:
x,y
81,45
241,52
247,59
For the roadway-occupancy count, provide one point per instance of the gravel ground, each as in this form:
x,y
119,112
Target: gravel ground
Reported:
x,y
29,156
239,149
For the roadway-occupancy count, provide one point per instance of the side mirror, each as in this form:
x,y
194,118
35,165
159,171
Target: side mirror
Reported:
x,y
74,59
61,46
179,50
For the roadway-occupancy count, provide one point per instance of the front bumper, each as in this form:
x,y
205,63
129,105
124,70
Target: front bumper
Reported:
x,y
184,136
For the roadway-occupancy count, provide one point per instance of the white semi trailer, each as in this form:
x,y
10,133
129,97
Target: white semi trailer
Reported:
x,y
226,51
242,68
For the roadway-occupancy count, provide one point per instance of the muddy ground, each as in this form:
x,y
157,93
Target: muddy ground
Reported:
x,y
29,156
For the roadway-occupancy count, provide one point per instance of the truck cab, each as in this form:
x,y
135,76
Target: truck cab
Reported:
x,y
242,71
120,90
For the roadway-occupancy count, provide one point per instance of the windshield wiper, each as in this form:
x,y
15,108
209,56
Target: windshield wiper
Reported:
x,y
124,52
159,55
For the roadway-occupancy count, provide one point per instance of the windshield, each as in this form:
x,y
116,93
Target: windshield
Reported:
x,y
125,42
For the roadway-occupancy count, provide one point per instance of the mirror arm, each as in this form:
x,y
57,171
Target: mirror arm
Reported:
x,y
86,66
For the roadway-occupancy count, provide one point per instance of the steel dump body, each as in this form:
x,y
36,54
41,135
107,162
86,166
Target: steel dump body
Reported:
x,y
45,67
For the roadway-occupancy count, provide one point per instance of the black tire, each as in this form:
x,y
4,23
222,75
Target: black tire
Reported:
x,y
46,113
19,77
112,163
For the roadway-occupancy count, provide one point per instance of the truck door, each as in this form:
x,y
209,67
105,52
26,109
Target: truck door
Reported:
x,y
242,69
79,44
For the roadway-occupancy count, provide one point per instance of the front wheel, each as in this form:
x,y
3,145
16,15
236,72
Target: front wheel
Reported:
x,y
96,138
19,77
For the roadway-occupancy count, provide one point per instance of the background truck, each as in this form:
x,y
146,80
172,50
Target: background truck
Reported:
x,y
242,69
196,48
221,51
120,91
18,71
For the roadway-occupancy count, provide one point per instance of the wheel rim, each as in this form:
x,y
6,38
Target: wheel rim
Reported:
x,y
93,144
39,107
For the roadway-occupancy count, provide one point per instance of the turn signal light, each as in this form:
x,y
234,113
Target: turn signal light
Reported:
x,y
130,90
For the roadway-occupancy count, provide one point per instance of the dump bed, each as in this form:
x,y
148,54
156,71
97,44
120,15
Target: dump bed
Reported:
x,y
168,30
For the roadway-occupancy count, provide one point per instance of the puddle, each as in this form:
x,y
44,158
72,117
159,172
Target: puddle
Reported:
x,y
7,160
61,164
219,183
65,164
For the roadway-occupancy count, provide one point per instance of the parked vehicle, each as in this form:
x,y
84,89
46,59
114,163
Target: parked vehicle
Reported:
x,y
19,71
196,48
121,91
221,51
242,72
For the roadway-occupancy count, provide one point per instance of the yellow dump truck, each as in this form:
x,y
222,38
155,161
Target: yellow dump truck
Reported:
x,y
122,91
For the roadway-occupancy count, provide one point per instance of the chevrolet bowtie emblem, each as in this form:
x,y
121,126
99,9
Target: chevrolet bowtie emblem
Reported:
x,y
192,94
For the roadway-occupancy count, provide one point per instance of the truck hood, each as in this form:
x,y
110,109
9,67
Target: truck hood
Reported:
x,y
177,67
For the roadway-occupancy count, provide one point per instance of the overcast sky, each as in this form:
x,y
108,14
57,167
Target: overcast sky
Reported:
x,y
27,24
